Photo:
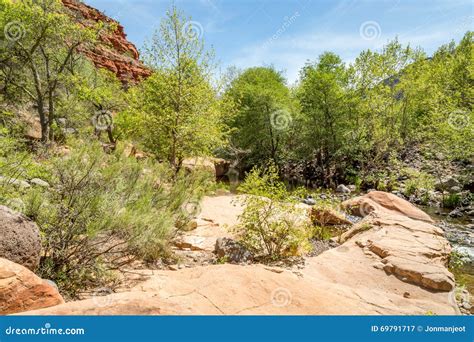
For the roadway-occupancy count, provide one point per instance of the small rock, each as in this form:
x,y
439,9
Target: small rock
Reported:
x,y
309,200
343,189
378,265
456,213
232,250
455,189
447,183
466,305
39,182
406,295
328,216
193,224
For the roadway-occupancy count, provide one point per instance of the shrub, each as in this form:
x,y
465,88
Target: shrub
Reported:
x,y
417,182
271,226
451,201
102,211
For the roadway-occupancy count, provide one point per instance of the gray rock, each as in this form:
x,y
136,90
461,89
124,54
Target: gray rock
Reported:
x,y
16,182
456,213
232,250
39,182
309,200
455,189
343,189
446,183
19,239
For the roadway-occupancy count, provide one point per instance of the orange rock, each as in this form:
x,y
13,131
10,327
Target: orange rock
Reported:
x,y
115,53
327,216
379,200
21,290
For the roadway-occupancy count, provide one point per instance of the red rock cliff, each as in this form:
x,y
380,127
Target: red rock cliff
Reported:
x,y
115,53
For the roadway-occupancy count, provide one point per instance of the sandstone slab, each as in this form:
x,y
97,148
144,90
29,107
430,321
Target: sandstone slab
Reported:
x,y
21,290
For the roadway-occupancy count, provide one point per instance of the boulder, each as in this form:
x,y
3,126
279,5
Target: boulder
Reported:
x,y
384,201
19,239
343,189
200,164
447,183
222,167
233,251
327,217
407,244
21,290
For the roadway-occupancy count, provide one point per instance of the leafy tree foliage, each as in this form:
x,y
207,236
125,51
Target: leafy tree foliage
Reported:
x,y
40,44
176,109
263,116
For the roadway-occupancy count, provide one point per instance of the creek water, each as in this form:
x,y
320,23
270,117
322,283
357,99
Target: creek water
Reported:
x,y
460,233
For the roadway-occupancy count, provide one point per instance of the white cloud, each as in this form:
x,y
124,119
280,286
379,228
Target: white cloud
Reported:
x,y
291,52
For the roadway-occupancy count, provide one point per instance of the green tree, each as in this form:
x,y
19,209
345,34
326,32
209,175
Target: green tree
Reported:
x,y
446,95
264,114
325,110
176,108
40,48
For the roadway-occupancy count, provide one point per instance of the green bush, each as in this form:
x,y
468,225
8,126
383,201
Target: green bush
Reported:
x,y
418,182
272,226
451,201
102,211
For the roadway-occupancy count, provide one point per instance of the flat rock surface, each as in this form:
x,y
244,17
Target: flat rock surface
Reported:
x,y
353,278
217,215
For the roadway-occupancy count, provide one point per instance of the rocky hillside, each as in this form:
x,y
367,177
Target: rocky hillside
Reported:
x,y
116,53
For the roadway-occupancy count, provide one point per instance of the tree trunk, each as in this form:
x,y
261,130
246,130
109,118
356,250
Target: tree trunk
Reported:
x,y
43,120
51,115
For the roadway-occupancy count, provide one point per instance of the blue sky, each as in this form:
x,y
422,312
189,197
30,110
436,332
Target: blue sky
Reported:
x,y
287,33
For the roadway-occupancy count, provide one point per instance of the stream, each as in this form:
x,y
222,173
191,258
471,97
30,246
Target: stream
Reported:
x,y
460,233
